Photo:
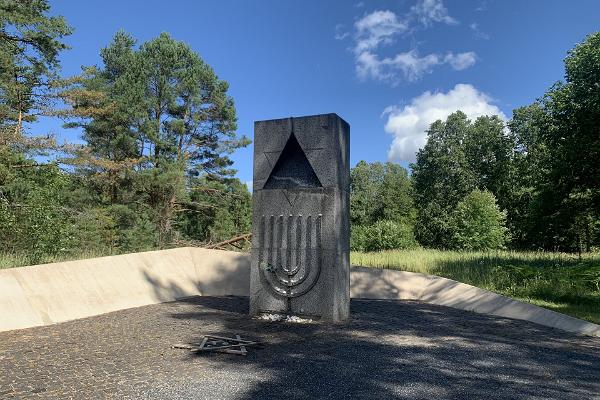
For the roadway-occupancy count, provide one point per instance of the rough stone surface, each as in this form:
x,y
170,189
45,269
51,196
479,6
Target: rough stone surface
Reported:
x,y
388,349
300,230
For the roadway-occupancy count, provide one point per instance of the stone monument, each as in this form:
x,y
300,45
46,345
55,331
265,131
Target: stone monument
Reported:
x,y
300,224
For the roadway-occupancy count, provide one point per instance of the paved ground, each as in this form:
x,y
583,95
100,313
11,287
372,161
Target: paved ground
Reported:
x,y
390,349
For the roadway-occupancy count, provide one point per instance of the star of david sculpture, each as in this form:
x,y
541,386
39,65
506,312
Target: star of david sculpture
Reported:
x,y
300,225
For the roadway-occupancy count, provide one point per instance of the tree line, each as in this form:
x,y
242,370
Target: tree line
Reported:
x,y
153,167
532,183
157,127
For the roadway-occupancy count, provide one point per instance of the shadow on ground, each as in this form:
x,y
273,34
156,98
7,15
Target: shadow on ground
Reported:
x,y
394,349
389,349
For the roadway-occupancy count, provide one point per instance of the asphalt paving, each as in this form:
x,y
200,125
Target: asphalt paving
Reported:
x,y
388,350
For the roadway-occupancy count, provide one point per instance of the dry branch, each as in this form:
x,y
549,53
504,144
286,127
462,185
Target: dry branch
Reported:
x,y
231,242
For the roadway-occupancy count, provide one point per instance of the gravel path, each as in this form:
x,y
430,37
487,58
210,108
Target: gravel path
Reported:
x,y
390,349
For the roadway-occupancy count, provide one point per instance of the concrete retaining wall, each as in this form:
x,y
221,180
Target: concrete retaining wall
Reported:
x,y
389,284
51,293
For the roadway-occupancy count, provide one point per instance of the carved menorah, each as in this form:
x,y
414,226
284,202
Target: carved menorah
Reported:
x,y
290,257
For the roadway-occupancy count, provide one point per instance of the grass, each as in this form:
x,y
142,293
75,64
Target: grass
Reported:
x,y
12,260
560,282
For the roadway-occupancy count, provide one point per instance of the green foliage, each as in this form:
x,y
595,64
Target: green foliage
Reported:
x,y
364,186
358,238
34,218
155,118
478,223
113,229
159,127
216,210
381,207
529,167
383,235
489,152
30,42
557,184
459,157
380,192
157,123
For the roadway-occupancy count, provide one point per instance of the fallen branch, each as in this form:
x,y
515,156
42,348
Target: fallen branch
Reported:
x,y
231,242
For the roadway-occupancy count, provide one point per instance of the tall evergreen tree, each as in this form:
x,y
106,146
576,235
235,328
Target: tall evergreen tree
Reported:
x,y
30,41
155,117
35,218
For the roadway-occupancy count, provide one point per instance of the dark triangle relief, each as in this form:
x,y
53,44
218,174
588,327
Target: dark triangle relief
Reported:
x,y
292,169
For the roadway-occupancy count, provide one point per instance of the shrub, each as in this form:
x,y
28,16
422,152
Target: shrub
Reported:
x,y
383,235
358,238
477,223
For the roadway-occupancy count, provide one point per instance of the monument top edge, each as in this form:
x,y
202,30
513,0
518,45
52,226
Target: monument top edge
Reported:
x,y
303,116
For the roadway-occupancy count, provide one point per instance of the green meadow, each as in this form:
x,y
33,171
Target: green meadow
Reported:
x,y
561,282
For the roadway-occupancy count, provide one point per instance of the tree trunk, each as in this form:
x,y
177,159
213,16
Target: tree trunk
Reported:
x,y
181,138
165,223
588,236
19,124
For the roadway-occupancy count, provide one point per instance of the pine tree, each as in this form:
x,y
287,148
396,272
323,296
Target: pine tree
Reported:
x,y
30,42
154,117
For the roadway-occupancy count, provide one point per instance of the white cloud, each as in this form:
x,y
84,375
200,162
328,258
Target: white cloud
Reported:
x,y
412,65
430,11
382,27
408,124
368,65
376,28
409,64
478,33
461,61
340,32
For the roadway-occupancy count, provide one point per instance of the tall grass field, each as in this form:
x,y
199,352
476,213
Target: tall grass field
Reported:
x,y
12,260
561,282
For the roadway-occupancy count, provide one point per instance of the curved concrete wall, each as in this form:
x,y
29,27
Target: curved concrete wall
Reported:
x,y
51,293
390,284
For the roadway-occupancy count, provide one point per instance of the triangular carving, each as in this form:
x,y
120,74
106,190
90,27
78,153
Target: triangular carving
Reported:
x,y
272,157
292,170
290,197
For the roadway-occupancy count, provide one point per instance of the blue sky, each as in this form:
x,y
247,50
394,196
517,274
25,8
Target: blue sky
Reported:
x,y
387,67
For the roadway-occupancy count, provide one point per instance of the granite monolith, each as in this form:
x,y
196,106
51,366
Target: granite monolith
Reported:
x,y
300,223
